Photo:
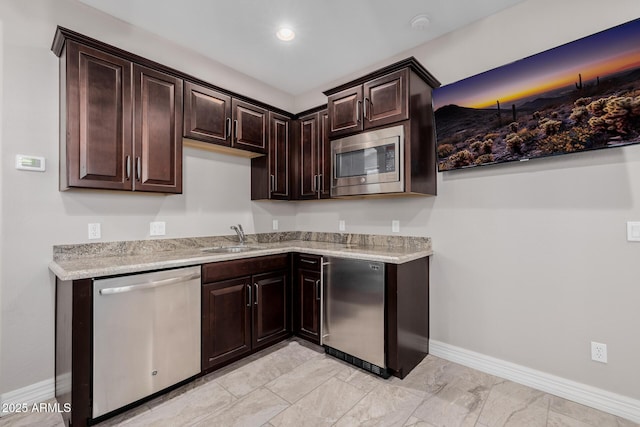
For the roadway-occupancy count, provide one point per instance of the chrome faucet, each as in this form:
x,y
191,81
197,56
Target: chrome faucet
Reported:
x,y
238,229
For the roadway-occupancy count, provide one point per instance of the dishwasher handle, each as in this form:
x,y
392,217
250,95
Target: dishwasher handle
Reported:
x,y
148,285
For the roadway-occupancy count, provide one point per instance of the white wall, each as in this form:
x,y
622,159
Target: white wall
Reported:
x,y
35,215
531,260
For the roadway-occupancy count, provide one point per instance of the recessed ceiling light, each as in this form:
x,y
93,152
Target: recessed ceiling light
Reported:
x,y
285,34
420,22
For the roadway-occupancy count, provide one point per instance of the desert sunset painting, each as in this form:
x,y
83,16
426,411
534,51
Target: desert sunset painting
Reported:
x,y
580,96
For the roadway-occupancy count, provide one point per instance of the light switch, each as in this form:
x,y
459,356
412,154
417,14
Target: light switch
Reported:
x,y
341,225
275,224
30,163
633,231
157,228
395,226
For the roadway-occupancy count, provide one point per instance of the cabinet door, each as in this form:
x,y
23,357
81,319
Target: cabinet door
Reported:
x,y
307,157
226,320
324,157
345,112
279,157
97,153
207,114
309,292
158,133
385,99
270,309
249,127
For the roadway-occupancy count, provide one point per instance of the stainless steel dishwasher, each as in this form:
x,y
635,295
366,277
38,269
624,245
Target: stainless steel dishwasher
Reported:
x,y
146,335
353,312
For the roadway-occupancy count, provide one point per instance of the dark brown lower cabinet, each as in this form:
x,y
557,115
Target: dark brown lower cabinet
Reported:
x,y
226,316
270,308
407,315
307,297
245,307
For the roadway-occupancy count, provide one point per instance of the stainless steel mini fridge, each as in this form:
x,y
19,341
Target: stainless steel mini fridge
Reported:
x,y
353,312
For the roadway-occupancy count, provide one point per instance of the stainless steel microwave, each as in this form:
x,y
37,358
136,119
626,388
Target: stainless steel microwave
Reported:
x,y
368,163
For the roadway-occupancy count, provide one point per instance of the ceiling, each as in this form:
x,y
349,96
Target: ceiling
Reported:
x,y
334,38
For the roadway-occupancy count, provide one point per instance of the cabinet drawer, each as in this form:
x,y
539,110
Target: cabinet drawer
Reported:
x,y
215,271
309,262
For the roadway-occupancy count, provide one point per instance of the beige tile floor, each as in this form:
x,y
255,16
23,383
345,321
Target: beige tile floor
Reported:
x,y
295,384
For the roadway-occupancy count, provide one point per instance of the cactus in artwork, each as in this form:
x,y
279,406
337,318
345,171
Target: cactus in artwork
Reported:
x,y
499,113
579,85
513,110
598,81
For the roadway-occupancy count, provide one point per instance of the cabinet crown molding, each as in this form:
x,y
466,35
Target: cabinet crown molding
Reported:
x,y
411,63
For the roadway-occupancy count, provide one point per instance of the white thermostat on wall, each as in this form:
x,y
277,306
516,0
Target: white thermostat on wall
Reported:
x,y
29,163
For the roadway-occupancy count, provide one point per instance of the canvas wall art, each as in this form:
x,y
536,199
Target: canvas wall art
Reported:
x,y
580,96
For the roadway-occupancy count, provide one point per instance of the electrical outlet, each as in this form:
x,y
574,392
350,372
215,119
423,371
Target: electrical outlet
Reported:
x,y
341,225
598,352
94,230
275,224
395,226
157,228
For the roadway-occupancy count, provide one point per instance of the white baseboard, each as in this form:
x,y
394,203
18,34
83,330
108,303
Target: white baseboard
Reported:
x,y
34,393
587,395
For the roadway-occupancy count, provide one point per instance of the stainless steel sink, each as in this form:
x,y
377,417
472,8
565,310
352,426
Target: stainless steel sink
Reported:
x,y
228,249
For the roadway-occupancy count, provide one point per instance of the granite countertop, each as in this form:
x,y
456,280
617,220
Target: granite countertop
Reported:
x,y
72,262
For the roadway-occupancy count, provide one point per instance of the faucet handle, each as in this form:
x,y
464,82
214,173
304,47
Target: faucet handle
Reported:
x,y
240,227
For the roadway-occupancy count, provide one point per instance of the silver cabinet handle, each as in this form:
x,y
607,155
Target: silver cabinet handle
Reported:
x,y
128,167
364,108
227,127
138,169
318,290
358,111
273,183
318,189
250,296
308,261
256,285
155,284
235,131
313,183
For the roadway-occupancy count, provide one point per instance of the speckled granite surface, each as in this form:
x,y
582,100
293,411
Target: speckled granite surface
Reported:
x,y
71,262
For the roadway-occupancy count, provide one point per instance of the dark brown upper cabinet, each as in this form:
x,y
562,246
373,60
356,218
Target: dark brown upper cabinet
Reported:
x,y
270,174
375,103
279,156
96,113
380,98
121,122
307,156
345,110
324,156
207,114
386,99
157,131
312,155
215,117
249,127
